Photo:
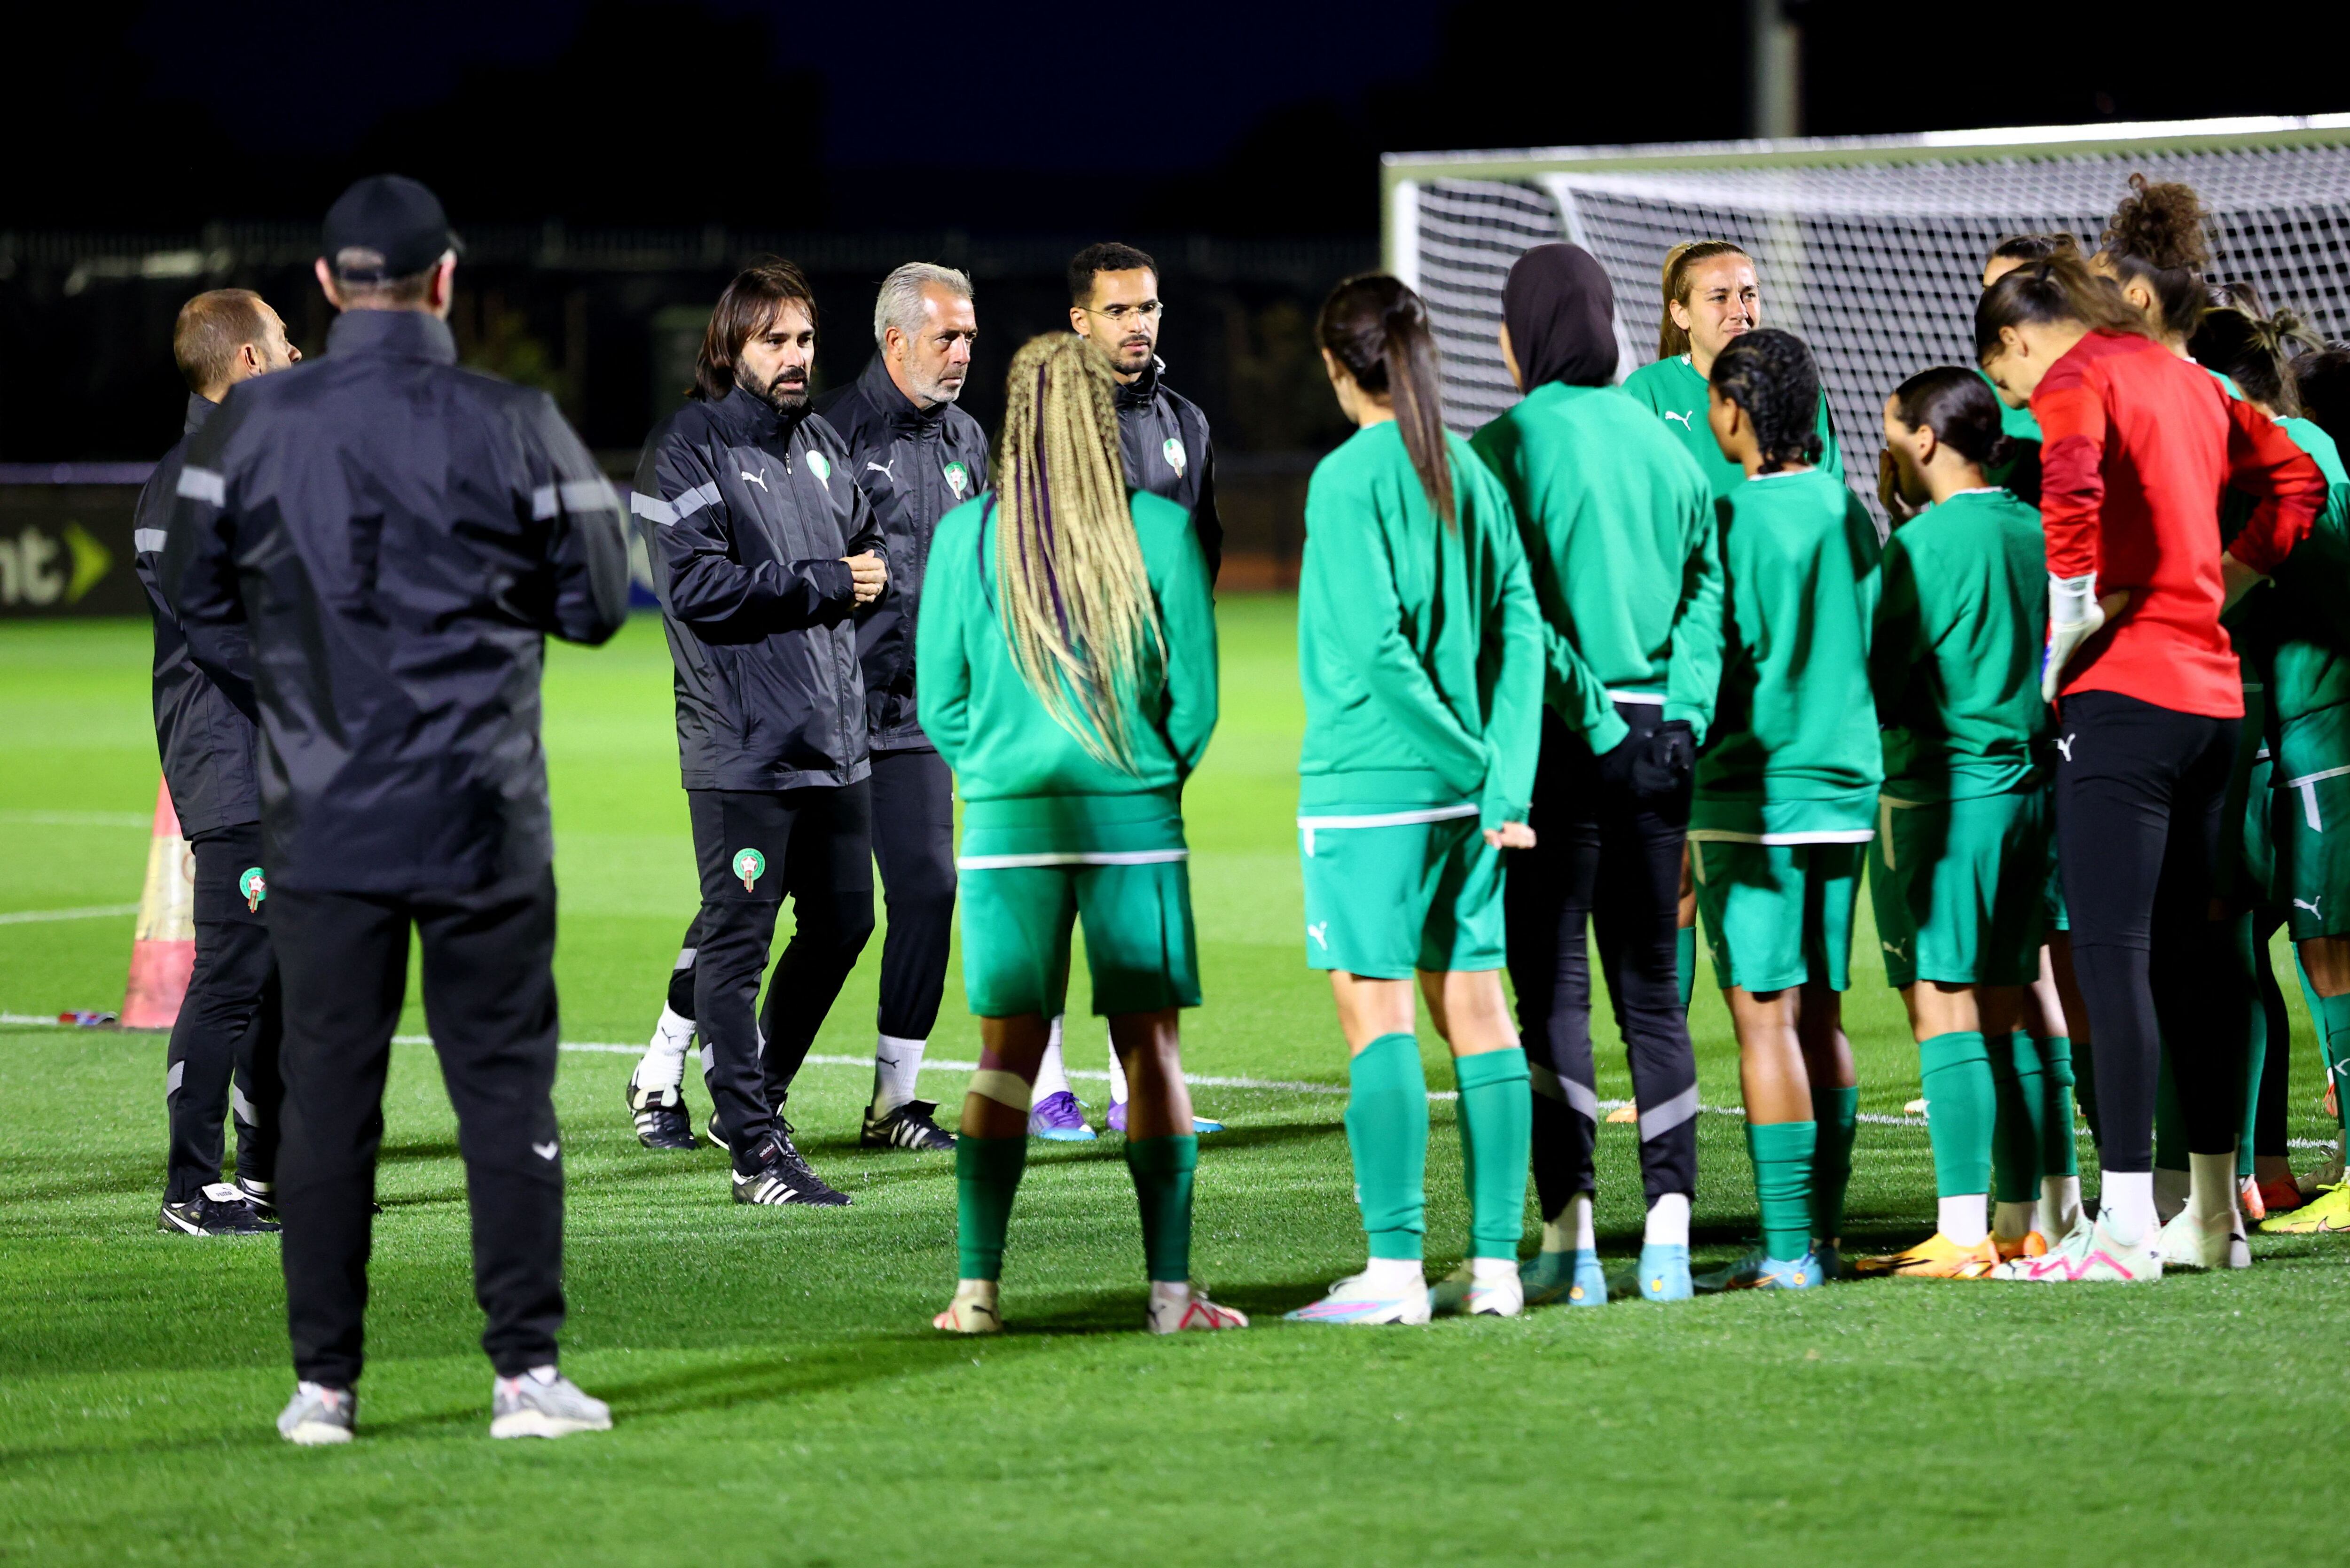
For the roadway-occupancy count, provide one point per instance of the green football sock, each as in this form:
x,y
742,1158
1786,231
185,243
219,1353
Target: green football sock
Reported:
x,y
1387,1132
2169,1122
2059,1153
1836,1113
1162,1170
2334,1019
2018,1136
2253,956
1496,1128
987,1175
1782,1153
1961,1107
1685,961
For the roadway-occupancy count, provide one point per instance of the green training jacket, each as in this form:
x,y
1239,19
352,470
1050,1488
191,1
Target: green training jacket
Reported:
x,y
1795,757
1420,646
2308,611
1617,521
1676,393
1955,658
993,729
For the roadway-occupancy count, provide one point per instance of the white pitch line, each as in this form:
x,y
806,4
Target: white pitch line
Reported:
x,y
91,912
1267,1085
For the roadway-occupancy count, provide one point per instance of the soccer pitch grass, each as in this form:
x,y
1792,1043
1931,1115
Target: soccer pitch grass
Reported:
x,y
779,1396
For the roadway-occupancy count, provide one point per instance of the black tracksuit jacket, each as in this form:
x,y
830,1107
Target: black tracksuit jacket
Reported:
x,y
1163,439
399,535
914,466
203,723
747,516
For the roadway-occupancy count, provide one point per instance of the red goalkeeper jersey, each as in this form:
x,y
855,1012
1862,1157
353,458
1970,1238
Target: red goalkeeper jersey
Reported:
x,y
2137,447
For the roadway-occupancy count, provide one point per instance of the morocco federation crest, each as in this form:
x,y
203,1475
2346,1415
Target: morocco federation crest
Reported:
x,y
749,866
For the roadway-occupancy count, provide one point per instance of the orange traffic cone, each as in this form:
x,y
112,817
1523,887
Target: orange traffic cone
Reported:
x,y
164,951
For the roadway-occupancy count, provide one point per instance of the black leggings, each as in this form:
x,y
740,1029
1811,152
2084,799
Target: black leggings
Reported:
x,y
2140,797
1606,859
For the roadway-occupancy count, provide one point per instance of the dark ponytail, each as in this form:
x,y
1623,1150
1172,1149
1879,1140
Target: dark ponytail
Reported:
x,y
1378,330
1962,413
2252,350
2322,381
1772,376
2061,288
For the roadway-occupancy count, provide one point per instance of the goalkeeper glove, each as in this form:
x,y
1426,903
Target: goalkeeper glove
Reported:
x,y
2074,617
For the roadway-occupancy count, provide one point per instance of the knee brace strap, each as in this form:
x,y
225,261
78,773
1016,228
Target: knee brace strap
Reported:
x,y
1004,1089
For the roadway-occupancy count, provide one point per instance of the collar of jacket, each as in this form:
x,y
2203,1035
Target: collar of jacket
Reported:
x,y
751,420
893,404
1140,391
200,409
397,334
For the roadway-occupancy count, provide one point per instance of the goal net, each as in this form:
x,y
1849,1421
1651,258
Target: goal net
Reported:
x,y
1871,249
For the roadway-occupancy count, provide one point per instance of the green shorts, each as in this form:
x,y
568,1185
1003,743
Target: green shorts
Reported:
x,y
1777,915
1956,886
2310,785
1031,869
1394,890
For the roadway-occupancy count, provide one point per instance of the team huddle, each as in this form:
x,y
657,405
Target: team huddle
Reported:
x,y
1632,661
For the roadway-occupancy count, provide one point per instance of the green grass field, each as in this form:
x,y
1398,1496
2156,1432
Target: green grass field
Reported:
x,y
779,1396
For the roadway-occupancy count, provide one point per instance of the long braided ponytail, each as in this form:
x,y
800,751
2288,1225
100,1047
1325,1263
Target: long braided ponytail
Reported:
x,y
1076,603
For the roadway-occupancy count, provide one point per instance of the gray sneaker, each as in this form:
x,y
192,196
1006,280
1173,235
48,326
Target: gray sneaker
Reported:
x,y
542,1403
317,1414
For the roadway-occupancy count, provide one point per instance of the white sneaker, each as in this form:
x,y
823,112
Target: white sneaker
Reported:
x,y
317,1415
2189,1243
1359,1299
974,1310
1496,1295
542,1403
1174,1309
2088,1255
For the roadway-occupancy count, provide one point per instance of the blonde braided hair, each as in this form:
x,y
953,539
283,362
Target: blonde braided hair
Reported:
x,y
1074,601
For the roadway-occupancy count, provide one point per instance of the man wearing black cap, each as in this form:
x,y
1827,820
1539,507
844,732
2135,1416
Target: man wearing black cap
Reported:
x,y
397,536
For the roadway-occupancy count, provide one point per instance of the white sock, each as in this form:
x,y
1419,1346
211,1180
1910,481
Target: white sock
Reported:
x,y
664,1066
2012,1221
2171,1188
2125,1205
1171,1293
1492,1270
2060,1206
1961,1219
1052,1075
1117,1078
895,1064
1395,1274
2211,1195
1571,1232
1668,1219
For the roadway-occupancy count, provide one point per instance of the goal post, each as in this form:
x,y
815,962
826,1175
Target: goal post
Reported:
x,y
1870,248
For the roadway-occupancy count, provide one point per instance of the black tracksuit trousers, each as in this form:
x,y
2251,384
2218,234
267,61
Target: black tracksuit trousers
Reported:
x,y
913,845
224,1050
753,847
1607,860
489,1003
2140,822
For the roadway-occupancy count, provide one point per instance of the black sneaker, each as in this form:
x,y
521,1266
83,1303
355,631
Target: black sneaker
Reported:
x,y
912,1126
661,1116
219,1209
262,1195
716,1134
782,1177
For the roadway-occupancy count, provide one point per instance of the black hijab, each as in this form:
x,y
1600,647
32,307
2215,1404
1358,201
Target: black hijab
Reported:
x,y
1561,313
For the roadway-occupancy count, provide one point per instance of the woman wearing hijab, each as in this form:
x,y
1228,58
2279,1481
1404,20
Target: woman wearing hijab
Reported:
x,y
1618,520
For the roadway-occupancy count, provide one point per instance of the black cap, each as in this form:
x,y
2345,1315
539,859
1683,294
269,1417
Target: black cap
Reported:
x,y
394,217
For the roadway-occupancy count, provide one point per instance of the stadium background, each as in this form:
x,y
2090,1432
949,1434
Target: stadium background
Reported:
x,y
609,165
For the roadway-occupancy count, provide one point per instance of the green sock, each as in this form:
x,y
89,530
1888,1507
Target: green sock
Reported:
x,y
2017,1138
1685,961
1961,1106
1161,1168
2059,1153
987,1174
1497,1114
1387,1132
2169,1122
1837,1114
2255,958
2334,1018
1782,1154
